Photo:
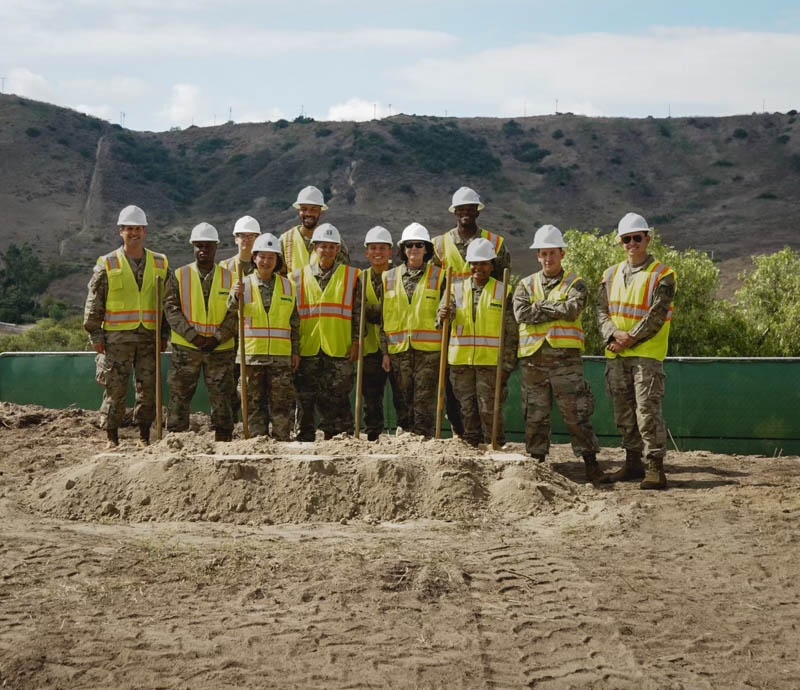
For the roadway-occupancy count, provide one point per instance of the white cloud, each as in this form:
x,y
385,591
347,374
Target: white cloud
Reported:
x,y
122,89
23,82
358,110
185,107
104,112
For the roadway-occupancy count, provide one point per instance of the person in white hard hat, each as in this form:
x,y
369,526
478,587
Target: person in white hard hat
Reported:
x,y
450,251
120,317
410,340
476,322
245,231
329,302
296,242
548,307
271,341
203,326
378,250
634,314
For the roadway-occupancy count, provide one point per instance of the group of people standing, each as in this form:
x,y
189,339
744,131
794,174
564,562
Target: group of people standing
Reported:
x,y
292,307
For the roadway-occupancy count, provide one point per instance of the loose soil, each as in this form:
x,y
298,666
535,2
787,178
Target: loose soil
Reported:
x,y
398,564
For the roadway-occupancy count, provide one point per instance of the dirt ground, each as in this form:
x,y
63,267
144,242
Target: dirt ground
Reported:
x,y
399,564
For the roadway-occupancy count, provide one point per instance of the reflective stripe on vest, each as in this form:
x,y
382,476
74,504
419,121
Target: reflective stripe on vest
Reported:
x,y
326,315
447,252
204,320
295,253
411,323
476,341
559,333
372,335
268,333
627,306
127,306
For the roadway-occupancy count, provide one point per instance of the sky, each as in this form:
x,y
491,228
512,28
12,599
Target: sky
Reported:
x,y
158,64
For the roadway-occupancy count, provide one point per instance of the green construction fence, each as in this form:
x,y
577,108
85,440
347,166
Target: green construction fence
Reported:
x,y
726,405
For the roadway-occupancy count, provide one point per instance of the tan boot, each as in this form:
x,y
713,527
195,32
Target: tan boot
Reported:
x,y
631,470
593,472
655,477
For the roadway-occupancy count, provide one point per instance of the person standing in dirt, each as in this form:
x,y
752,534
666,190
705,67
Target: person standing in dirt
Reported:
x,y
378,249
634,314
297,242
120,317
410,341
476,322
203,327
450,251
328,300
271,341
548,307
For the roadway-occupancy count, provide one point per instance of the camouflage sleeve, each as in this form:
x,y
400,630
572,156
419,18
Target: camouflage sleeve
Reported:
x,y
607,326
355,320
95,309
230,324
166,331
511,339
524,309
173,314
344,252
657,315
294,324
569,309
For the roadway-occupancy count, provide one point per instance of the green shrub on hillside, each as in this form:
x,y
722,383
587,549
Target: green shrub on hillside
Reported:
x,y
512,128
529,152
49,335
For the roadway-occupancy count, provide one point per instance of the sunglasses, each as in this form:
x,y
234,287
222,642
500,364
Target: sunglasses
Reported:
x,y
627,239
415,245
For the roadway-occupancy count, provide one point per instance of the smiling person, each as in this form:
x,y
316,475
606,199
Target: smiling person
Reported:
x,y
548,307
634,314
203,327
474,350
120,317
296,242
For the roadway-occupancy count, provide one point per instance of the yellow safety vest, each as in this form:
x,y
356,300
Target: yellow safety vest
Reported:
x,y
204,320
372,337
627,306
232,265
268,333
326,316
127,307
558,334
412,324
476,342
447,252
295,254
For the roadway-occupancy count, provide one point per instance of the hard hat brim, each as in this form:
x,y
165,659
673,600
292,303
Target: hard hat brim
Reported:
x,y
297,205
480,206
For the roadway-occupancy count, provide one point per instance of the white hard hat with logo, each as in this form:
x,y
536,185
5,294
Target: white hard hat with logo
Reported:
x,y
310,196
466,197
480,249
326,233
632,222
378,235
415,231
267,243
132,215
204,232
548,237
246,224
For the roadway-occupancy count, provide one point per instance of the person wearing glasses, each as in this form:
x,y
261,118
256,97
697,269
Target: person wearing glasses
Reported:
x,y
634,314
410,341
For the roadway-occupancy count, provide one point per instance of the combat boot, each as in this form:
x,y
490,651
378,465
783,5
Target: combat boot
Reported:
x,y
655,477
539,457
593,472
113,438
224,436
631,470
144,436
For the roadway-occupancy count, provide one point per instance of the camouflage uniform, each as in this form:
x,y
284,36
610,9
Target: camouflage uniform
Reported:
x,y
555,372
232,264
125,351
270,389
636,385
342,257
474,386
187,363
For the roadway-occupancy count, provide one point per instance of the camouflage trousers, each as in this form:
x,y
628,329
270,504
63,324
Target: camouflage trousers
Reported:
x,y
323,386
373,389
120,359
473,387
557,373
270,398
636,387
217,370
417,378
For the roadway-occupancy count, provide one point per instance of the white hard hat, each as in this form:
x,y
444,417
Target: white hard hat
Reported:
x,y
246,224
548,237
632,222
267,243
326,233
466,196
132,215
204,232
310,196
378,235
480,249
415,231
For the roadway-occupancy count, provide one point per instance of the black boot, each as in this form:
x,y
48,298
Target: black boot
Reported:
x,y
539,457
144,435
224,436
113,438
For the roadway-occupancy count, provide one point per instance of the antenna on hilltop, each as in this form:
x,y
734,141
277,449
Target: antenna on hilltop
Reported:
x,y
122,117
390,109
556,106
230,113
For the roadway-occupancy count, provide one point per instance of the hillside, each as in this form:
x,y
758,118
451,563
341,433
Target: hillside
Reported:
x,y
722,185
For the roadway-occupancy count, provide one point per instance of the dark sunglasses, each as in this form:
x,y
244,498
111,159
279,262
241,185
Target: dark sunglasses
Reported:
x,y
415,245
627,239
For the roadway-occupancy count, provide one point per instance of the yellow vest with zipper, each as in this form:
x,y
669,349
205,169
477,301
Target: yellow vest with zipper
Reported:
x,y
295,253
268,332
558,334
372,337
412,324
205,320
476,341
128,307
